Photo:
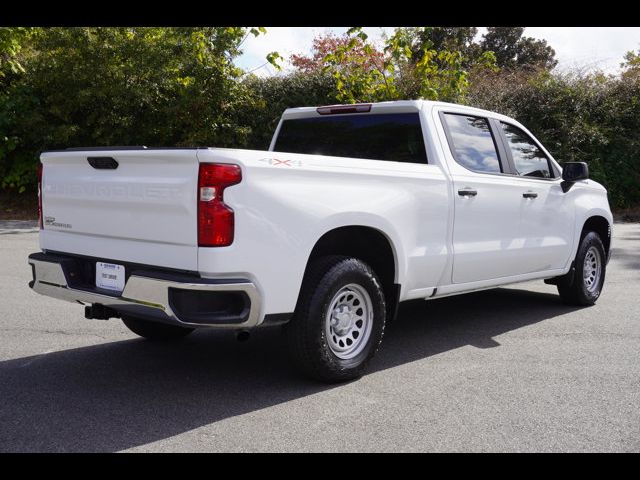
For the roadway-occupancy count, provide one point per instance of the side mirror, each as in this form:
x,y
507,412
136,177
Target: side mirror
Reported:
x,y
572,172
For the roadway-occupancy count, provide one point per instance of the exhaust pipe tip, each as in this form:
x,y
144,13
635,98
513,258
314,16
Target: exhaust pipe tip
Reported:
x,y
97,311
243,335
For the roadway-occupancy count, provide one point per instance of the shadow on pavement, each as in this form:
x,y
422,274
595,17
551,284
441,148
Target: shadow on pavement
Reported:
x,y
123,394
625,248
628,257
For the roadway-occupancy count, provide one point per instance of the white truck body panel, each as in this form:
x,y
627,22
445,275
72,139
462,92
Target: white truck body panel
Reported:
x,y
406,202
146,212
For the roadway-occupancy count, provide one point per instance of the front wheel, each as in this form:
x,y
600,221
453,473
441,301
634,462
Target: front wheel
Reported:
x,y
154,330
339,320
583,287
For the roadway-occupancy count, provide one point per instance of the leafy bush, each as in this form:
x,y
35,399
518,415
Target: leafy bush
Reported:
x,y
119,86
273,95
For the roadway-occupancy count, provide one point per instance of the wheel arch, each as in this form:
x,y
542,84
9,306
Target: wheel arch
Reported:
x,y
591,215
372,246
600,225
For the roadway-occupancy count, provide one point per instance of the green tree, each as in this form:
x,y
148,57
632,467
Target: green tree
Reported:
x,y
452,39
631,64
12,40
122,86
435,75
512,50
273,95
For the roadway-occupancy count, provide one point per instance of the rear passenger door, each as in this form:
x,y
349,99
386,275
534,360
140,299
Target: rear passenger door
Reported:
x,y
487,242
547,215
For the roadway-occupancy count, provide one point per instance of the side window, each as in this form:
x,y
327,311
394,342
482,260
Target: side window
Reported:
x,y
472,143
528,159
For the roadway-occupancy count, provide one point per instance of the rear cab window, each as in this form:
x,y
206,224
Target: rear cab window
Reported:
x,y
377,136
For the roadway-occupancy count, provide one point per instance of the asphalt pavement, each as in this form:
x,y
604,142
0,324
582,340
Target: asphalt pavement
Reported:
x,y
509,369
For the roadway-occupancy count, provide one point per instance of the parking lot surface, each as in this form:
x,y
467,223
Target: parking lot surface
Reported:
x,y
509,369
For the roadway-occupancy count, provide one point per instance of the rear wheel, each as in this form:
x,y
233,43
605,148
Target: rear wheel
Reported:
x,y
583,287
339,320
154,330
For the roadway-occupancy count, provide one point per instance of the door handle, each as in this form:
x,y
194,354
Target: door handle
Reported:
x,y
467,192
530,195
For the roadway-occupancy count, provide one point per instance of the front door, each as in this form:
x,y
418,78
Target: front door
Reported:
x,y
547,213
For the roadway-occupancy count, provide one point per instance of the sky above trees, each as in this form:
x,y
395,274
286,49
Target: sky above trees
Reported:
x,y
576,47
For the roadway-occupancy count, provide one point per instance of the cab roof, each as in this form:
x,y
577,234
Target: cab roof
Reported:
x,y
396,106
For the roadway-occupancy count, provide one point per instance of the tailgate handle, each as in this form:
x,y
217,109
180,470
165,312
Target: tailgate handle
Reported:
x,y
103,163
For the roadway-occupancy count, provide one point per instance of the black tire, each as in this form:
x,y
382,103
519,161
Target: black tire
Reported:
x,y
306,334
574,289
154,330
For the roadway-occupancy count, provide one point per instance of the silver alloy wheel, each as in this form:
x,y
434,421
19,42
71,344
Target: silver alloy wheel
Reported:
x,y
592,269
349,321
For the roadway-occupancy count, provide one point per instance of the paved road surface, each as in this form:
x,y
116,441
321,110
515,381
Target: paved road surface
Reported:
x,y
510,369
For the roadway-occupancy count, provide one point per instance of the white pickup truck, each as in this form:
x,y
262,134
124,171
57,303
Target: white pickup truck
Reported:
x,y
353,209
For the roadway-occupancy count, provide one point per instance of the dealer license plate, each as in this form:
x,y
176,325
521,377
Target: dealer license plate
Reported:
x,y
110,276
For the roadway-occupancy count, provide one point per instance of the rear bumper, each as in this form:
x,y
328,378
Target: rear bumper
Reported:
x,y
165,297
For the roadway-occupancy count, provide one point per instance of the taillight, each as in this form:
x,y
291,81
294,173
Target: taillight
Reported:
x,y
215,218
39,173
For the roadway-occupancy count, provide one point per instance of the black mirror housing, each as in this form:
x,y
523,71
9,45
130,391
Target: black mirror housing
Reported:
x,y
573,172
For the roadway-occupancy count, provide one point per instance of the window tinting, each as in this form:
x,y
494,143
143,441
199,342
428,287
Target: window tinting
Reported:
x,y
390,136
472,143
528,159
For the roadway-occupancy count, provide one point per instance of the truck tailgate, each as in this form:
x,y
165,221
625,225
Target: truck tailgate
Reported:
x,y
144,210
